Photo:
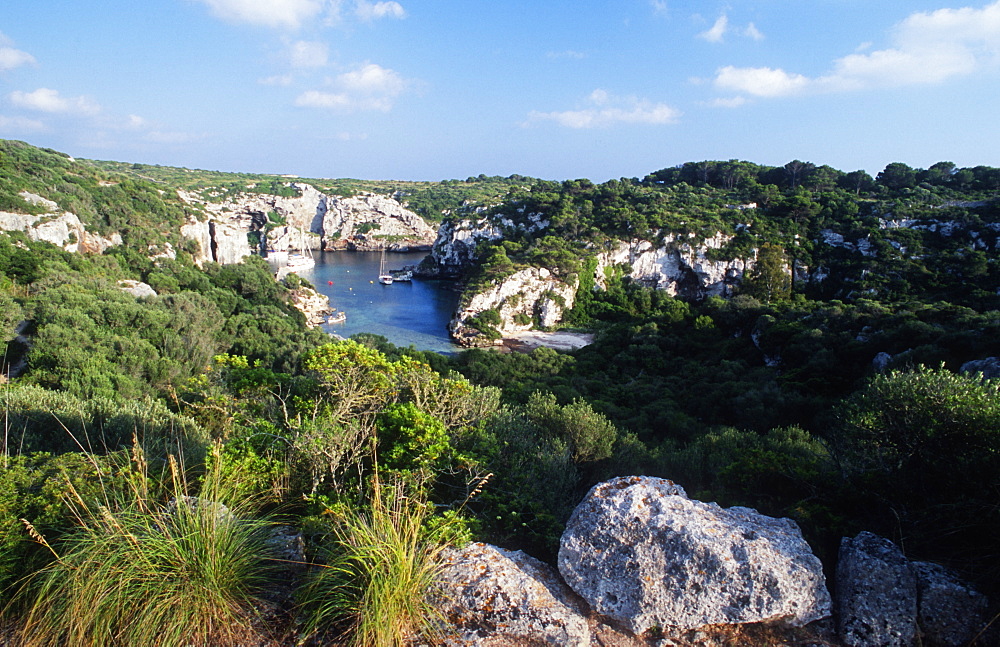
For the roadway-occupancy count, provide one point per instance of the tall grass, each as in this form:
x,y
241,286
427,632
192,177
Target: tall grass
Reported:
x,y
139,573
381,564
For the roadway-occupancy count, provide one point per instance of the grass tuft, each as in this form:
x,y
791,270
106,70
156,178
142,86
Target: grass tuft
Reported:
x,y
139,573
382,562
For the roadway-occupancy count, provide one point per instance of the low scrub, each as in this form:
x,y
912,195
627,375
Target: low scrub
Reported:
x,y
381,563
139,573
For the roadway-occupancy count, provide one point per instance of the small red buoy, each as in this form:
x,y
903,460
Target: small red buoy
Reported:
x,y
329,282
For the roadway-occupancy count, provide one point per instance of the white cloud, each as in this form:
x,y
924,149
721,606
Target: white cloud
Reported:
x,y
759,81
370,87
751,31
281,79
927,47
47,100
729,102
20,124
135,122
369,11
272,13
717,31
606,110
304,54
11,58
659,6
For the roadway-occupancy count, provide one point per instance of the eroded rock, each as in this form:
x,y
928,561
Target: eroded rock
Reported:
x,y
876,594
639,551
949,611
490,594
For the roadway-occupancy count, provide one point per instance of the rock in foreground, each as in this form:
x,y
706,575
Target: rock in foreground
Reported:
x,y
639,551
495,596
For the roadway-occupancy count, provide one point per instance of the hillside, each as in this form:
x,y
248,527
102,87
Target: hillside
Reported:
x,y
814,344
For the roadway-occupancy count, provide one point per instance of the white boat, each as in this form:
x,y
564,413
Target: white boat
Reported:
x,y
337,317
302,259
383,276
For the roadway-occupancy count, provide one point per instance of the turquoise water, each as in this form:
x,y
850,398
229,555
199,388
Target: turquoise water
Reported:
x,y
406,313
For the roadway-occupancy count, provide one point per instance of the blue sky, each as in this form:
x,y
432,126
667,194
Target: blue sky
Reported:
x,y
439,89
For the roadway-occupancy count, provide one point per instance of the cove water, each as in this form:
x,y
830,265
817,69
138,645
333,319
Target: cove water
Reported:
x,y
406,313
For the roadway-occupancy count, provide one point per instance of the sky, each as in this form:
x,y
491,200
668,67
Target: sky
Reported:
x,y
443,89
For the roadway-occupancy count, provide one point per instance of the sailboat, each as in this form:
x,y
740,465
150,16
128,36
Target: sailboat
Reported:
x,y
383,276
301,260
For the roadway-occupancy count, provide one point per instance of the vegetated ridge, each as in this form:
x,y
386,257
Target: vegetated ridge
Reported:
x,y
841,375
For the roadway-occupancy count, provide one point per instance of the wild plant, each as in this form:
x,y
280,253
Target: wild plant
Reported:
x,y
137,572
381,563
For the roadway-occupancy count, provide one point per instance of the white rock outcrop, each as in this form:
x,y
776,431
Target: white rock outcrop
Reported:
x,y
138,289
638,550
229,243
366,222
454,249
61,228
315,306
317,220
489,594
682,265
529,298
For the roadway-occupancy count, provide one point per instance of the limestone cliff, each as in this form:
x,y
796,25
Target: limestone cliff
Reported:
x,y
61,228
312,219
530,298
454,250
682,265
369,222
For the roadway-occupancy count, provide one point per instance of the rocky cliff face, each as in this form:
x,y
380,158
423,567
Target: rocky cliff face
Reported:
x,y
530,298
315,306
454,250
369,222
313,220
61,228
682,265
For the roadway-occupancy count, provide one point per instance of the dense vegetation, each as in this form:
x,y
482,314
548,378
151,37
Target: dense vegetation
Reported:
x,y
153,445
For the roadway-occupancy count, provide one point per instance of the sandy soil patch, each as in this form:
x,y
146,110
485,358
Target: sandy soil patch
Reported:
x,y
529,340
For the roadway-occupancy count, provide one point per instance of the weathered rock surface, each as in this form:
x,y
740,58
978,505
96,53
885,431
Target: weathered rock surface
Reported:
x,y
529,298
61,228
315,306
455,246
989,367
137,289
495,596
315,220
229,243
950,612
639,551
876,594
682,265
365,222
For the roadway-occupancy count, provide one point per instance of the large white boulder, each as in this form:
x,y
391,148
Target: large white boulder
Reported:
x,y
638,550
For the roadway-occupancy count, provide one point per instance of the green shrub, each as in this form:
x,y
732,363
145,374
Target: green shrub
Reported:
x,y
381,563
137,572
